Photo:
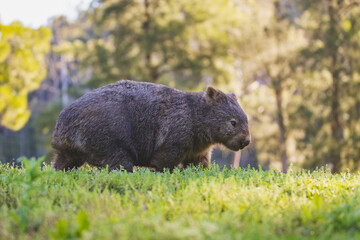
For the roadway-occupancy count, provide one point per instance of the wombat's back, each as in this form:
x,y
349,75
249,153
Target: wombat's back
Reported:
x,y
133,101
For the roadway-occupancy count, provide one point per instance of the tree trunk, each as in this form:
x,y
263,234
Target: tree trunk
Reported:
x,y
336,128
153,71
7,146
22,139
249,157
332,48
236,159
281,125
64,81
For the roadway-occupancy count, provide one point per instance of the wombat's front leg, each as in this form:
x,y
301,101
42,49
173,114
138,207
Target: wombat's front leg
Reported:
x,y
201,160
120,159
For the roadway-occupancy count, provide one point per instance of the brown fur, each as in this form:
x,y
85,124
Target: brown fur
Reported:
x,y
131,124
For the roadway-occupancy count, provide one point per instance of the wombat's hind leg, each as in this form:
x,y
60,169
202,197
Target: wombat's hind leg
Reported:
x,y
67,162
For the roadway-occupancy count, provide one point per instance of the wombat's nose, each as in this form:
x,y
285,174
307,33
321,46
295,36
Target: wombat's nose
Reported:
x,y
247,140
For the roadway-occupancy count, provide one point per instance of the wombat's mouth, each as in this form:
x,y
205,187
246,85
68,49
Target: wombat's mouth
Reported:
x,y
245,142
240,145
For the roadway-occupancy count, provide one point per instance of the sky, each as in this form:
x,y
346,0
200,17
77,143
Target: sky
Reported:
x,y
35,13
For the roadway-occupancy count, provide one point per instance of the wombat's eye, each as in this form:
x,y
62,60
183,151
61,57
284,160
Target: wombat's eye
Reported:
x,y
233,123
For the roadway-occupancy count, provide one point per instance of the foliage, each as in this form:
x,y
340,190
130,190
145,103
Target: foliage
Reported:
x,y
45,124
330,68
175,42
306,76
22,68
274,69
194,203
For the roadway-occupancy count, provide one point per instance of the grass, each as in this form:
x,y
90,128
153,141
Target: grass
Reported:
x,y
188,204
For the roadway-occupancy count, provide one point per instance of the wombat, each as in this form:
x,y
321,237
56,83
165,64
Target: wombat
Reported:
x,y
128,123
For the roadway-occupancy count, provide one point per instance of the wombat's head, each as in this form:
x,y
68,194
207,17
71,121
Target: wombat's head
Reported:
x,y
227,121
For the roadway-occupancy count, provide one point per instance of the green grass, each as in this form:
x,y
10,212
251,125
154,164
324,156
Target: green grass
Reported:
x,y
189,204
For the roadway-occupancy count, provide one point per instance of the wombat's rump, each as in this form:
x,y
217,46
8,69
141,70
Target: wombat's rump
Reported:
x,y
131,123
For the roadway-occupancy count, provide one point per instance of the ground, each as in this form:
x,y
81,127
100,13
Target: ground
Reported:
x,y
189,204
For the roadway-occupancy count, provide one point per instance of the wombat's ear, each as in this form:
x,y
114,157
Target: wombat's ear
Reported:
x,y
212,94
233,96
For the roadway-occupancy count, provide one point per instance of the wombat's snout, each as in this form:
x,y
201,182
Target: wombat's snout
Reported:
x,y
245,141
239,142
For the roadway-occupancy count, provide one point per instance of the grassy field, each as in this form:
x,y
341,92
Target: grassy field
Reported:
x,y
188,204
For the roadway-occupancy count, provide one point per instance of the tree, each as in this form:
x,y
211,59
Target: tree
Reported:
x,y
272,80
333,29
65,76
22,68
180,43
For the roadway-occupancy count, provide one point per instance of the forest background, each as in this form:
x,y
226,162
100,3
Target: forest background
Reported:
x,y
294,65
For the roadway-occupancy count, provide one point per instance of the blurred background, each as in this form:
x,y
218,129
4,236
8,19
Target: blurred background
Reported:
x,y
294,65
